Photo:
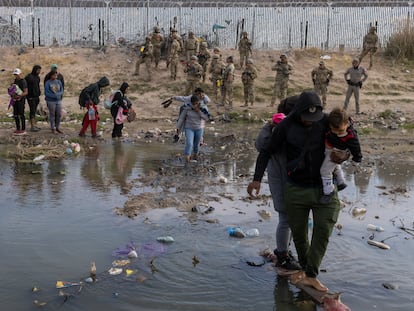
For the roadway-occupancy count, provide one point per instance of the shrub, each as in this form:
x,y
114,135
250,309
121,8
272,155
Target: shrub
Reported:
x,y
401,43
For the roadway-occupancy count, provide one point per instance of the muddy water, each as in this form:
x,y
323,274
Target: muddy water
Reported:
x,y
57,217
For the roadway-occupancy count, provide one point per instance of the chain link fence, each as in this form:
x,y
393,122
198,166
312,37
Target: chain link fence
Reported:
x,y
271,24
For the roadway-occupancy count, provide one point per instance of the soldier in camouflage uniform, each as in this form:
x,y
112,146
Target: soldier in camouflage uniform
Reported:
x,y
228,78
191,46
321,77
354,76
174,56
370,45
217,51
283,71
248,76
203,58
145,57
194,73
245,49
216,71
156,40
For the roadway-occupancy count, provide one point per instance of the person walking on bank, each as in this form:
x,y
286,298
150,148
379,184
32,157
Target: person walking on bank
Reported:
x,y
354,76
204,58
89,98
245,49
53,96
174,56
248,76
302,132
192,119
369,45
283,71
145,57
33,97
19,102
228,79
120,100
321,76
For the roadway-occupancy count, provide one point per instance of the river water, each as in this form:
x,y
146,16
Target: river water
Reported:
x,y
57,217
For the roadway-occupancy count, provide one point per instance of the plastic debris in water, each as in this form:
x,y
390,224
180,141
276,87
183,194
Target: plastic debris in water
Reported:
x,y
223,179
378,244
251,233
89,280
121,263
129,271
68,151
115,271
165,239
237,232
63,284
39,303
375,228
132,254
358,211
39,158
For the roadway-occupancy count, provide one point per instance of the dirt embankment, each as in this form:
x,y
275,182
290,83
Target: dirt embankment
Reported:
x,y
386,97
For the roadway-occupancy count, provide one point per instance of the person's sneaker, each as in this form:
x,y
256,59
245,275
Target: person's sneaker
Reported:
x,y
326,198
19,132
34,129
81,135
59,131
286,261
342,186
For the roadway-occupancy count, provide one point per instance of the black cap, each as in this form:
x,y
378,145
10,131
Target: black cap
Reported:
x,y
312,102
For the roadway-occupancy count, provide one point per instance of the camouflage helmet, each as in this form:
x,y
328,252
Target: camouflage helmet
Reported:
x,y
215,56
147,38
372,29
250,61
244,33
156,29
191,33
204,44
193,57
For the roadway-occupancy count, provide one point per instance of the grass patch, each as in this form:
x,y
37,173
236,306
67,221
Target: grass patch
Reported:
x,y
387,114
408,126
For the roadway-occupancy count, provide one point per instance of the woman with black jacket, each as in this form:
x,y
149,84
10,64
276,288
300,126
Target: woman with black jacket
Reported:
x,y
120,100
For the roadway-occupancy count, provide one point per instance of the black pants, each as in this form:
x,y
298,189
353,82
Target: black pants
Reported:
x,y
18,114
33,103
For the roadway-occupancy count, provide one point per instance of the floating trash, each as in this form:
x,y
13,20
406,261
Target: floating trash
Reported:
x,y
165,239
115,271
63,284
378,244
132,254
39,158
121,262
358,211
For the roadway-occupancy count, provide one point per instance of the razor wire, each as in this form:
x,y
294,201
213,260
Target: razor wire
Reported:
x,y
271,24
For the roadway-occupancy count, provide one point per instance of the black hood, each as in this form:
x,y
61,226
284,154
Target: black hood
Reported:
x,y
35,68
104,81
308,106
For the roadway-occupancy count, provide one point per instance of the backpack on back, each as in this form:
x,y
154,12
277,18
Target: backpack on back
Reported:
x,y
85,95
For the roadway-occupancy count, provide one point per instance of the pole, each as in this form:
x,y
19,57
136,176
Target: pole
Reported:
x,y
306,35
147,22
70,21
107,24
20,31
254,23
179,13
38,29
33,24
328,26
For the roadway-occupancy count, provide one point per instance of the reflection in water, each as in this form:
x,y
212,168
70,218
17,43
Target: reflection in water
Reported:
x,y
123,162
287,300
27,177
92,171
55,177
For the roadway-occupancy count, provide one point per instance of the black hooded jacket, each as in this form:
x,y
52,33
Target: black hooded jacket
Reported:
x,y
305,145
93,91
33,83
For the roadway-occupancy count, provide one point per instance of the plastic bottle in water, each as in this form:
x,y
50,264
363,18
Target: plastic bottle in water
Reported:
x,y
237,232
251,233
375,228
91,113
310,223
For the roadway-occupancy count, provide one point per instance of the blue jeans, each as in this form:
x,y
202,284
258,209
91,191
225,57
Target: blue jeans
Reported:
x,y
54,113
192,141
